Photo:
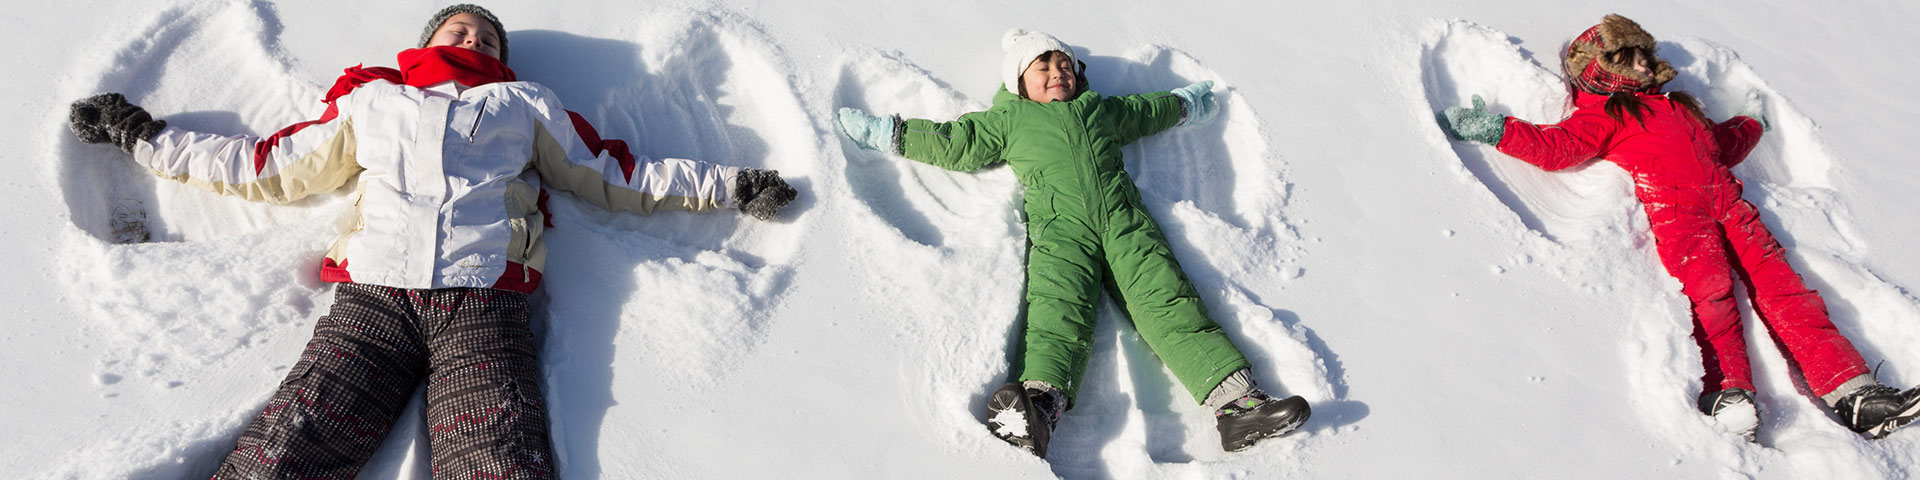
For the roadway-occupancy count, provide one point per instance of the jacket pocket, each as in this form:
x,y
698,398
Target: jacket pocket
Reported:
x,y
526,221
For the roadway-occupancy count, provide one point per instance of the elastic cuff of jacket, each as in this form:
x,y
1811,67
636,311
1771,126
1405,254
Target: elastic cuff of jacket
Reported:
x,y
899,135
1500,134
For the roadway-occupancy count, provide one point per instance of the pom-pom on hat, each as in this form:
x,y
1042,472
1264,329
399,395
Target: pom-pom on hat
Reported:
x,y
1022,47
1585,59
439,19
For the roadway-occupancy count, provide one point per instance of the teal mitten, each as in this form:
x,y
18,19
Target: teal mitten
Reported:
x,y
868,131
1756,108
1198,99
1473,124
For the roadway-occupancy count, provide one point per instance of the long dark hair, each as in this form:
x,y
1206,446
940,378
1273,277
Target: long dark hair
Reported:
x,y
1620,105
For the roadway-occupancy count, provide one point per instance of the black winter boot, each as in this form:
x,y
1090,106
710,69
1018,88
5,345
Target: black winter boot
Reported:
x,y
1258,416
1876,410
1024,417
1734,410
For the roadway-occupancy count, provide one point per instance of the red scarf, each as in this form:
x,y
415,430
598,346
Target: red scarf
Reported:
x,y
425,67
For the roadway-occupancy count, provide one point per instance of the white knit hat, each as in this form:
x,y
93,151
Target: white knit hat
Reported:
x,y
1022,47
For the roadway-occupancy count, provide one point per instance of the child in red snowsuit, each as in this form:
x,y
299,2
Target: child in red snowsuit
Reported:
x,y
1681,165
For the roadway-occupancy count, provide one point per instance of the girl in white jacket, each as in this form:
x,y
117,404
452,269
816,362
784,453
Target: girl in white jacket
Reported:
x,y
449,158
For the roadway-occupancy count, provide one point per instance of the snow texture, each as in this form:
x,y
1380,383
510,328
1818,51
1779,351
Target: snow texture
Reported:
x,y
861,332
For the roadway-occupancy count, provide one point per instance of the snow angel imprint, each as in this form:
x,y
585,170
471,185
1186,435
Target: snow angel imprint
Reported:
x,y
1706,235
1087,230
453,157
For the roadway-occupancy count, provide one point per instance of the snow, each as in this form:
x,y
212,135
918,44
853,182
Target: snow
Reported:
x,y
860,334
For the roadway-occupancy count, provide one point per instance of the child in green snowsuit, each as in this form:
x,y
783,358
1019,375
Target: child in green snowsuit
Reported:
x,y
1087,230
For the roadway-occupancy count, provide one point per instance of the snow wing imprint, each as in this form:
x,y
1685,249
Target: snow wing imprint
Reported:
x,y
696,288
1217,190
245,269
929,205
672,301
1790,153
1227,168
1788,176
180,319
1219,193
205,67
1459,60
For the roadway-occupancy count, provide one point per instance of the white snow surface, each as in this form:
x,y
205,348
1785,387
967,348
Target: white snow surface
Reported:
x,y
1448,311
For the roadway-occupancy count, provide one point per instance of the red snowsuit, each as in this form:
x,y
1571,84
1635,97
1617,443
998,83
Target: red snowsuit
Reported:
x,y
1703,230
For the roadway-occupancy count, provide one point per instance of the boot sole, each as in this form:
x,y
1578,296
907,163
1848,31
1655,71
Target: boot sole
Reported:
x,y
1013,398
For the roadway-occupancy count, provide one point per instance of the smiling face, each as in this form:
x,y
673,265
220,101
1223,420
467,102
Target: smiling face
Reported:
x,y
467,31
1050,78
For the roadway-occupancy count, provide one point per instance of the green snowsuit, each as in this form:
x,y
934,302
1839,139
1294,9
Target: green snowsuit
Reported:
x,y
1087,228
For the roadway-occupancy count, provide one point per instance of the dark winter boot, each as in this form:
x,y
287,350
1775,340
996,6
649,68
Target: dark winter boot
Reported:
x,y
1876,410
1024,417
1733,409
1257,416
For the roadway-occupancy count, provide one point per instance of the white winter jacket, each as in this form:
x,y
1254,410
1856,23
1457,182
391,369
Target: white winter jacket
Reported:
x,y
449,190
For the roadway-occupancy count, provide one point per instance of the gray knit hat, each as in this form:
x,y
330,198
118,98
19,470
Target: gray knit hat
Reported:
x,y
446,13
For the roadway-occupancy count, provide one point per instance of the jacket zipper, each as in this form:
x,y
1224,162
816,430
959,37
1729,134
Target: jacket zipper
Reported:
x,y
476,120
1090,193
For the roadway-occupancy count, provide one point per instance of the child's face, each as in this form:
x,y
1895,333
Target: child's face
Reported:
x,y
467,31
1050,78
1635,58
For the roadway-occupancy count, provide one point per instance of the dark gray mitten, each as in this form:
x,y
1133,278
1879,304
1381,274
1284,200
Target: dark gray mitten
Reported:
x,y
108,117
761,193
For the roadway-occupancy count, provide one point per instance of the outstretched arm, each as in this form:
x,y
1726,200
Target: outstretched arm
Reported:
x,y
965,144
300,160
1578,139
1737,136
1150,113
570,155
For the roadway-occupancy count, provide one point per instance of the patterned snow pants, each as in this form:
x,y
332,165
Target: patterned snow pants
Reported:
x,y
472,346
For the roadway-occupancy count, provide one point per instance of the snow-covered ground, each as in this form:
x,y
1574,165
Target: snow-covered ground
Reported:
x,y
1449,311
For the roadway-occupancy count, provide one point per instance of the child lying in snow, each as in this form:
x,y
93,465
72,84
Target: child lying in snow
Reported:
x,y
1681,164
451,155
1087,230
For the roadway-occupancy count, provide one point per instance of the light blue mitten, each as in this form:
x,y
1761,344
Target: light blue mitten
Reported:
x,y
1198,99
1756,108
1473,124
868,131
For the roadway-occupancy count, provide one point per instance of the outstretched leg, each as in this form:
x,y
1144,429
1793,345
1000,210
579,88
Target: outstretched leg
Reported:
x,y
1063,282
1692,249
485,415
1164,306
1795,314
336,405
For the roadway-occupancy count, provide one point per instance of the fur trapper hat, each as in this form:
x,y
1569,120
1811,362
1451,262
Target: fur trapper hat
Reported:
x,y
1022,47
439,19
1584,61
